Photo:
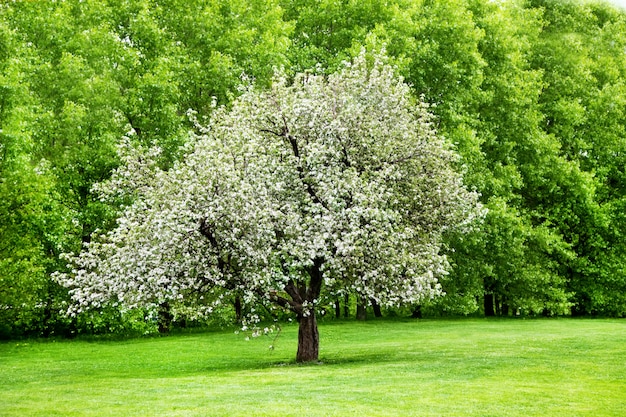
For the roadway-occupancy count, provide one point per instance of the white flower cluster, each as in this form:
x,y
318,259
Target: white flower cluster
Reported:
x,y
321,184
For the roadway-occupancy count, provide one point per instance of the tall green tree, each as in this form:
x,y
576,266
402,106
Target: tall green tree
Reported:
x,y
581,52
31,224
521,248
472,59
91,72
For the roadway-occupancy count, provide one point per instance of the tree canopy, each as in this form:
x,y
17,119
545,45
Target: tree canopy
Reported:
x,y
318,186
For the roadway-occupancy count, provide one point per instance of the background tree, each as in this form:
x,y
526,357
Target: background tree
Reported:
x,y
83,74
581,53
519,252
29,221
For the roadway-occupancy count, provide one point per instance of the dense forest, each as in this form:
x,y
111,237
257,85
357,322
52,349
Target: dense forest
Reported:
x,y
532,94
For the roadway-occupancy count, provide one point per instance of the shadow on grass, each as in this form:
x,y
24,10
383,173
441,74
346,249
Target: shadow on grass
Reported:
x,y
356,359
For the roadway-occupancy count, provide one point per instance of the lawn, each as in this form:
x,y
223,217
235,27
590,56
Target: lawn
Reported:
x,y
547,367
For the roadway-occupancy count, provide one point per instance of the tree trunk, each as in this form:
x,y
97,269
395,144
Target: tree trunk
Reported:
x,y
489,310
237,305
376,306
505,308
497,305
165,318
361,311
346,306
337,309
308,336
308,339
417,312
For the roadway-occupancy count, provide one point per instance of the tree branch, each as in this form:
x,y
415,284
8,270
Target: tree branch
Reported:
x,y
285,133
289,304
293,292
315,286
207,231
403,159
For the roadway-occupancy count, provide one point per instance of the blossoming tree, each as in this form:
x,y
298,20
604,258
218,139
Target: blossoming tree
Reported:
x,y
320,185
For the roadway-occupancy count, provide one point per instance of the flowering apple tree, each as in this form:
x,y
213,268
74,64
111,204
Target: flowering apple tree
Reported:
x,y
320,185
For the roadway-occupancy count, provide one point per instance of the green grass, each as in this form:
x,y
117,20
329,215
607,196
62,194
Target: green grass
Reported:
x,y
560,367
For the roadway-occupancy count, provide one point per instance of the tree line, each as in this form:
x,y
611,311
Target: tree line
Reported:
x,y
531,95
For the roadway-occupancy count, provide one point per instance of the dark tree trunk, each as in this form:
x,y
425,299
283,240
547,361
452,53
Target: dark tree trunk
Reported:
x,y
308,339
361,311
308,335
417,312
45,322
505,309
337,309
165,318
497,305
489,307
376,307
237,305
346,306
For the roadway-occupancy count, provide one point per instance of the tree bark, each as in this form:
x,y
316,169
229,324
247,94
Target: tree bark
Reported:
x,y
376,307
165,318
489,307
417,312
361,311
308,335
238,308
308,339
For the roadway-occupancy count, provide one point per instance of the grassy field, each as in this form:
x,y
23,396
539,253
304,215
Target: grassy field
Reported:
x,y
559,367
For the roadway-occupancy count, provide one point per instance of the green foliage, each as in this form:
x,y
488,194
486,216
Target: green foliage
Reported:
x,y
326,30
517,263
581,52
76,77
532,95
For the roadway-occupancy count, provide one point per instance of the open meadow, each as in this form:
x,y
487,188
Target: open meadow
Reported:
x,y
471,367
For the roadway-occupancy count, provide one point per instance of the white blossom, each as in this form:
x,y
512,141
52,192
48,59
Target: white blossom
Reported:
x,y
342,175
